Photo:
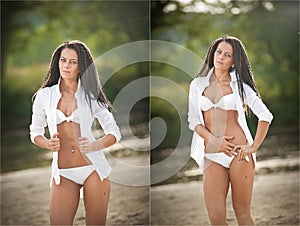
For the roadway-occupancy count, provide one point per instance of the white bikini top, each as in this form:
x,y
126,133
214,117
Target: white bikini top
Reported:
x,y
61,117
227,102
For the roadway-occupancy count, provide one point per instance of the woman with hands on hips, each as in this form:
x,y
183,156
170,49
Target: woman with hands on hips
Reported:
x,y
222,144
69,99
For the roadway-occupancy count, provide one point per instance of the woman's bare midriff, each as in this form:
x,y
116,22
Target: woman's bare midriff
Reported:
x,y
69,132
223,123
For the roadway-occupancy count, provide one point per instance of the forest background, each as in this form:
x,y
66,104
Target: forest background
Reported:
x,y
30,31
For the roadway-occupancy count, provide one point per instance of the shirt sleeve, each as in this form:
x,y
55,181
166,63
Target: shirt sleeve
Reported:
x,y
256,105
38,120
107,121
194,117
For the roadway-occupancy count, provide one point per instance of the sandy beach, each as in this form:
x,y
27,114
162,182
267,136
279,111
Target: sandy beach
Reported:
x,y
25,198
275,202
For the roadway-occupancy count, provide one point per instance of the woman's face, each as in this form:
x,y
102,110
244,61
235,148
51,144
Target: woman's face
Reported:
x,y
223,56
68,64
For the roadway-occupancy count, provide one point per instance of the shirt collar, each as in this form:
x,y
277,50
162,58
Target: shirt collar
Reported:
x,y
233,76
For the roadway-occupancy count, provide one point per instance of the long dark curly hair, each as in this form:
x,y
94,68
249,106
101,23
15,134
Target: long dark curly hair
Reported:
x,y
88,74
240,61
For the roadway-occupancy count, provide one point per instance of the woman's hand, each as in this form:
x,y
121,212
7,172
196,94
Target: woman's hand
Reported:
x,y
244,150
54,143
223,145
84,145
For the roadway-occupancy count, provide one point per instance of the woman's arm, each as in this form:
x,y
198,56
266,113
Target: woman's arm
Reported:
x,y
256,105
53,144
110,127
194,117
38,124
106,141
261,132
220,143
265,118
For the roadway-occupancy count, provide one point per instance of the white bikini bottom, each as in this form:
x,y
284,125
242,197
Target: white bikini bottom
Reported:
x,y
222,159
77,174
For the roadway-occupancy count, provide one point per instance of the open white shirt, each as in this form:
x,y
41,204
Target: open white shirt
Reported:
x,y
44,113
195,115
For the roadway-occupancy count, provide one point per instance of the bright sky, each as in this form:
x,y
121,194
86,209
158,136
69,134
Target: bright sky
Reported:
x,y
198,7
201,7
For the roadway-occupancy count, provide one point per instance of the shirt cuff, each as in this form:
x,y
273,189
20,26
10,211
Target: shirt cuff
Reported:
x,y
267,117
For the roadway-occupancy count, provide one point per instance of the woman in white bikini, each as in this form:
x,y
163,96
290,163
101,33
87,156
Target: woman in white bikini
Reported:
x,y
68,101
222,144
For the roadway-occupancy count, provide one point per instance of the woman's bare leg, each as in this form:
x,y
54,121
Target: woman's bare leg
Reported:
x,y
242,178
64,200
215,186
96,196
